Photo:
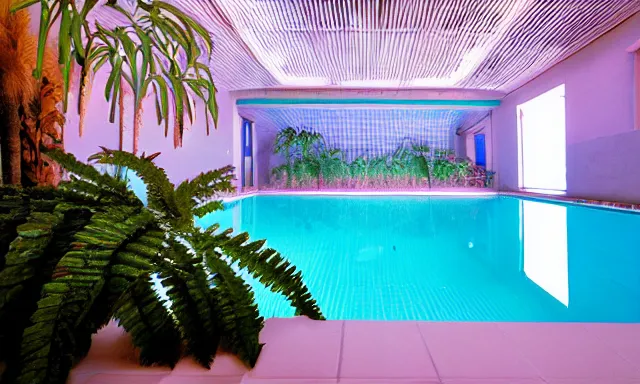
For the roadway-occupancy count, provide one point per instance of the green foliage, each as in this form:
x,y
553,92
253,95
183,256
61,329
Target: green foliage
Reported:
x,y
145,53
443,169
332,167
310,163
77,256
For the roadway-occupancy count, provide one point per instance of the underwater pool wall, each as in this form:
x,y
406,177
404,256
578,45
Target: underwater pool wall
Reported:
x,y
601,141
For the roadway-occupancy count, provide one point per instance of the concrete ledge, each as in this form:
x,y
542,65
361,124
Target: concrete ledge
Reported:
x,y
299,350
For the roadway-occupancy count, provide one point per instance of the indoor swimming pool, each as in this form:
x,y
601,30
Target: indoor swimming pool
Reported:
x,y
490,258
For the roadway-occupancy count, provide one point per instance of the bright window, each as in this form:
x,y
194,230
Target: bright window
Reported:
x,y
542,142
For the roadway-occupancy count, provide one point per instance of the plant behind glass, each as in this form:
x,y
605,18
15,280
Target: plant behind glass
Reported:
x,y
75,257
284,144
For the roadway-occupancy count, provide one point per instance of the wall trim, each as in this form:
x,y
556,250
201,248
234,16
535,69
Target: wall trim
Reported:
x,y
368,101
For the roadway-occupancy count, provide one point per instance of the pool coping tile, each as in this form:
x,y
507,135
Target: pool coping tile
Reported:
x,y
624,339
385,350
473,351
302,351
568,351
495,381
297,349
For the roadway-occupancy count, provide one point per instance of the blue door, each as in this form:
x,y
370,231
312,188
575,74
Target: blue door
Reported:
x,y
247,155
481,153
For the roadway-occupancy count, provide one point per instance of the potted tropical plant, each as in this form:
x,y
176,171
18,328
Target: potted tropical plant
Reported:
x,y
74,257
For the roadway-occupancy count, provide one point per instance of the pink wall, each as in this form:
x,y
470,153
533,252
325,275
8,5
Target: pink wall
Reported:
x,y
466,141
602,145
199,152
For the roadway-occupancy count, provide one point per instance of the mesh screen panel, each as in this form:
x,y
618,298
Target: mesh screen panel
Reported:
x,y
368,131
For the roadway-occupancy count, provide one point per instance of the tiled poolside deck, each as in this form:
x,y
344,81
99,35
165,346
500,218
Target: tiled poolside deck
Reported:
x,y
300,350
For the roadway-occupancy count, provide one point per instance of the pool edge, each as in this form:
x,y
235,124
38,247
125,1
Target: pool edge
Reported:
x,y
603,205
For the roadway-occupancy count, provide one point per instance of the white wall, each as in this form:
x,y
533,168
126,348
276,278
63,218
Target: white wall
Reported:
x,y
198,153
602,145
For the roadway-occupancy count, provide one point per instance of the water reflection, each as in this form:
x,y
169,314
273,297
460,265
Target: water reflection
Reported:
x,y
544,232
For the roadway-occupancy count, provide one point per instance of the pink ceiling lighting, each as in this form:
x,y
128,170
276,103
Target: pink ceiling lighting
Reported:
x,y
489,44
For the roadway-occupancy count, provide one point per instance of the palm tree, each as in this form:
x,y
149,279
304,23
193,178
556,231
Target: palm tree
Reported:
x,y
16,85
146,55
19,90
307,140
285,141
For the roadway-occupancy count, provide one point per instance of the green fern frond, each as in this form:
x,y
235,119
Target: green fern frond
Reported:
x,y
94,262
238,313
206,185
48,344
41,241
25,253
160,192
22,277
269,267
128,264
207,208
87,192
14,210
108,184
142,313
193,305
98,316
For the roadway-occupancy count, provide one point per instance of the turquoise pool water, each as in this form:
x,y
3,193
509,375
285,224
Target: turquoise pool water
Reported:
x,y
449,259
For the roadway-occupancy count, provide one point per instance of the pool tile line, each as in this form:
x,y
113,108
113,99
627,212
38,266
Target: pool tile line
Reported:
x,y
519,352
593,204
424,342
340,354
590,203
590,329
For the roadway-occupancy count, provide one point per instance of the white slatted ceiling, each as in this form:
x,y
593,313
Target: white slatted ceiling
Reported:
x,y
489,44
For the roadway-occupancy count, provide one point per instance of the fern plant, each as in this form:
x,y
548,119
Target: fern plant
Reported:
x,y
75,257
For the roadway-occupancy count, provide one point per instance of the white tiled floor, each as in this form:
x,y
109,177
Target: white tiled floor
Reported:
x,y
299,350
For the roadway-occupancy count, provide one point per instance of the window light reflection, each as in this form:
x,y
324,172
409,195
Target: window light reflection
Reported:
x,y
545,248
